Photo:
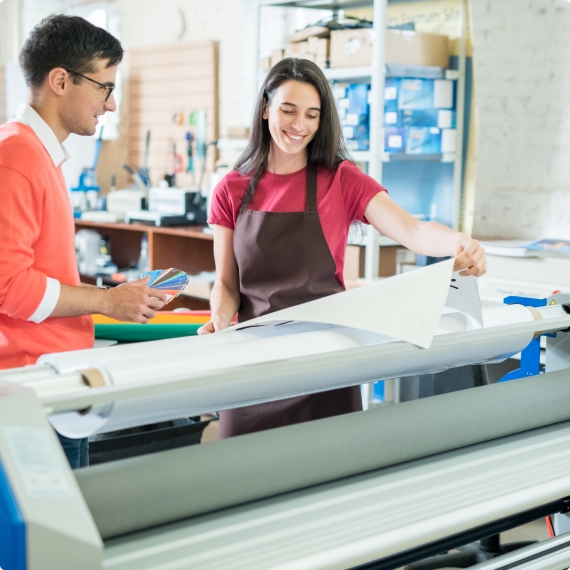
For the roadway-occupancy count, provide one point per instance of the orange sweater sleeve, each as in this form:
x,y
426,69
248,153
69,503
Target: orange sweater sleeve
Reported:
x,y
22,287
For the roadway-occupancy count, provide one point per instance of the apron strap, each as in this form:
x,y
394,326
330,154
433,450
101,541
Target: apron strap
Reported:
x,y
310,191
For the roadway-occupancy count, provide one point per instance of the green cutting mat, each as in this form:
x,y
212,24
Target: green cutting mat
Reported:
x,y
136,332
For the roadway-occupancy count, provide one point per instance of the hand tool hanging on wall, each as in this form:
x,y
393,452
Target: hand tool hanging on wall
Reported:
x,y
190,152
139,183
143,170
177,164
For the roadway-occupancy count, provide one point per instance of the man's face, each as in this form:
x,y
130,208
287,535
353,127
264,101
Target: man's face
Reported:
x,y
85,102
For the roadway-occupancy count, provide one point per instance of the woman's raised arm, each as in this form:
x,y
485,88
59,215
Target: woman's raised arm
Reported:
x,y
427,238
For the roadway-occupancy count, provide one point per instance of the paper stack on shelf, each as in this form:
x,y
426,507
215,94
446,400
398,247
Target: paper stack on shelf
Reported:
x,y
525,248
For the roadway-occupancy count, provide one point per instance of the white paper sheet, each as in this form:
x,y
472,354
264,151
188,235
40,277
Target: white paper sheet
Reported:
x,y
407,306
464,297
216,390
413,301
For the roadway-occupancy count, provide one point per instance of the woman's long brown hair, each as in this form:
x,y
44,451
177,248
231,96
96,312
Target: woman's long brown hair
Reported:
x,y
327,149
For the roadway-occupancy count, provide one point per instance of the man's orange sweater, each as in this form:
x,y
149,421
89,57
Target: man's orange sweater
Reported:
x,y
36,242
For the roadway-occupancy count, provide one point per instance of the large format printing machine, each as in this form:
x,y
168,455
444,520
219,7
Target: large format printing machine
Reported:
x,y
377,489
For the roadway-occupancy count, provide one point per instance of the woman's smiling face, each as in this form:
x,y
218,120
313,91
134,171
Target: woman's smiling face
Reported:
x,y
293,116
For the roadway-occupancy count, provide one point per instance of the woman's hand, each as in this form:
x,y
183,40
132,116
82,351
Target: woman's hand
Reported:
x,y
215,324
470,257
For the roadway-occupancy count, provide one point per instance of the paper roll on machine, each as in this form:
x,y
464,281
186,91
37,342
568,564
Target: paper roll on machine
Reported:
x,y
376,489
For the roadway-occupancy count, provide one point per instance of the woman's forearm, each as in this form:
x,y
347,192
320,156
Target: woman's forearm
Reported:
x,y
224,303
433,239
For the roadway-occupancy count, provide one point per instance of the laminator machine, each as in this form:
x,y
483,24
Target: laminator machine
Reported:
x,y
375,489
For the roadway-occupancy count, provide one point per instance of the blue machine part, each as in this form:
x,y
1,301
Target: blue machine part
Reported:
x,y
379,393
12,528
530,356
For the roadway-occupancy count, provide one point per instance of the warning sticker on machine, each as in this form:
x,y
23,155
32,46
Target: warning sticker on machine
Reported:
x,y
37,460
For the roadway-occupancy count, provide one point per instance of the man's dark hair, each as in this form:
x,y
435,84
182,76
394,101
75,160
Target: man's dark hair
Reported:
x,y
69,42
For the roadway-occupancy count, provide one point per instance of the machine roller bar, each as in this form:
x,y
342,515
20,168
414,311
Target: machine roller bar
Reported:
x,y
344,367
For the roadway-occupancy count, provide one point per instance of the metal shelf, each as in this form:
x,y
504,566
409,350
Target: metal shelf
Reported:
x,y
328,4
365,156
347,73
403,157
392,70
376,74
319,4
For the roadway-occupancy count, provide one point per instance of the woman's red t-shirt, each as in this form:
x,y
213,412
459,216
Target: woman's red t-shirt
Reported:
x,y
342,197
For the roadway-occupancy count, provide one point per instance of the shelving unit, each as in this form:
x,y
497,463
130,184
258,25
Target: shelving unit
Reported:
x,y
376,74
186,248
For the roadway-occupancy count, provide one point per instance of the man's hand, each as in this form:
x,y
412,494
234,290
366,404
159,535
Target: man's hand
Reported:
x,y
133,301
470,258
215,324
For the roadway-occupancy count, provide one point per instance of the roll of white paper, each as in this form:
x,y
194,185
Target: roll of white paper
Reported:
x,y
230,370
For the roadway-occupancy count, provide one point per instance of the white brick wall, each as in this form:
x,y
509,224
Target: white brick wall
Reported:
x,y
522,73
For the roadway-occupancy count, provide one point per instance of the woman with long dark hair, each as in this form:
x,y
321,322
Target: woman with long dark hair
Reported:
x,y
281,220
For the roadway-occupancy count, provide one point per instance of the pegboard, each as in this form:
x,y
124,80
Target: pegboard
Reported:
x,y
169,86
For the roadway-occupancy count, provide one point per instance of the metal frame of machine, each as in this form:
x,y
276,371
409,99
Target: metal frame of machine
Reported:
x,y
390,515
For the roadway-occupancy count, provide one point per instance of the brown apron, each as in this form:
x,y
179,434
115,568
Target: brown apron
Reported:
x,y
284,260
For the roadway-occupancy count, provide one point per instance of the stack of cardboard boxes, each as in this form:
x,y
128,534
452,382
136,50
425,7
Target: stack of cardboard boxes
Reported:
x,y
354,48
314,48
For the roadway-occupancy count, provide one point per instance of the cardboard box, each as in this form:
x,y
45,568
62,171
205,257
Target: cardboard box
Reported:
x,y
265,63
350,48
421,94
238,132
198,287
415,94
441,118
276,56
443,93
395,139
389,257
318,46
448,140
321,61
296,49
415,48
311,31
423,140
391,88
358,144
391,118
358,99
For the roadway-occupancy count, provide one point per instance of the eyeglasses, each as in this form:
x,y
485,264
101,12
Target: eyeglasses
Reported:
x,y
108,88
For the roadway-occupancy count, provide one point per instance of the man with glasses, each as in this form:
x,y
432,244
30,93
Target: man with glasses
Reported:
x,y
70,68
